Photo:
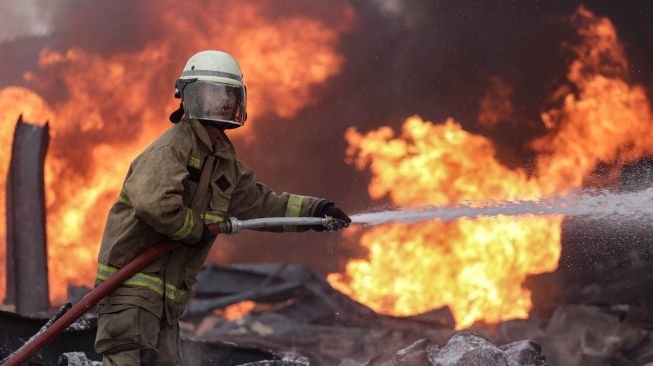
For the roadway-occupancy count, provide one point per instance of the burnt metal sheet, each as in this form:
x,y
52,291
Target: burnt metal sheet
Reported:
x,y
315,300
27,268
16,329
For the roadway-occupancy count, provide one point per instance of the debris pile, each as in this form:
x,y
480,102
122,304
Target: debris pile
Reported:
x,y
465,348
284,314
304,316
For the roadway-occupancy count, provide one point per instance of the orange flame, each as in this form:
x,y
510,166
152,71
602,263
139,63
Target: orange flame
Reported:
x,y
607,121
236,311
113,106
468,265
477,267
35,110
496,105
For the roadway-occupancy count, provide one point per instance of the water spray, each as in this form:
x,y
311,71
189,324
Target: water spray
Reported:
x,y
589,204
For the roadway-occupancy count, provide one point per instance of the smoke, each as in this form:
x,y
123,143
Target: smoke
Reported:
x,y
25,18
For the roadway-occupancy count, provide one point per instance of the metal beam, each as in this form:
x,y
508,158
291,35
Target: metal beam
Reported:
x,y
27,267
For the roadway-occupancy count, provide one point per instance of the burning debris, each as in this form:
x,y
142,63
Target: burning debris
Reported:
x,y
477,267
313,324
283,58
401,294
318,322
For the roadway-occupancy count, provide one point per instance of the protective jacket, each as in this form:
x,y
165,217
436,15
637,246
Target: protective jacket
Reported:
x,y
172,188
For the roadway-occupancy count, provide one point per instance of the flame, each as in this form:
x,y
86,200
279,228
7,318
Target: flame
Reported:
x,y
477,267
468,265
607,121
496,105
282,58
236,311
104,109
35,110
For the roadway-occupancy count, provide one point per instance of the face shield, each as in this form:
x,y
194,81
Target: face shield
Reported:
x,y
217,102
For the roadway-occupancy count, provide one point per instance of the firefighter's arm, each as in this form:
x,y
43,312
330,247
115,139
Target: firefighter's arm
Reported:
x,y
154,188
251,199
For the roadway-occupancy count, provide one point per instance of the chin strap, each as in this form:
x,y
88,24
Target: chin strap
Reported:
x,y
210,123
176,116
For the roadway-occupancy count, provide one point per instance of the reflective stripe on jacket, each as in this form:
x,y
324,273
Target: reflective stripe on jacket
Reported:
x,y
152,283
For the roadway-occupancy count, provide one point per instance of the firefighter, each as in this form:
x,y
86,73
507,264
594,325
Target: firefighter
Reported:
x,y
186,180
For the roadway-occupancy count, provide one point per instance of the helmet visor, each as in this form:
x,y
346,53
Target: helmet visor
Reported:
x,y
215,102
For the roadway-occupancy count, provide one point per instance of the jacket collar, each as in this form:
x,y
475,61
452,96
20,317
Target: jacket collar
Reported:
x,y
223,146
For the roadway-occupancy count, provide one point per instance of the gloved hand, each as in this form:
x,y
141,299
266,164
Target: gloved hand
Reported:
x,y
326,208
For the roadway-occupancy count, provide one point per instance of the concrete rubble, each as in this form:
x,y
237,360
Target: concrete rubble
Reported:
x,y
76,359
463,349
304,321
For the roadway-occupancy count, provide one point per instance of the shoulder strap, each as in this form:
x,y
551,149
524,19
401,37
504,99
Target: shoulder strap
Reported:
x,y
203,185
174,269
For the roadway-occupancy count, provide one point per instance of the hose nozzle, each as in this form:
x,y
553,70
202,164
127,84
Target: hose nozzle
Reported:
x,y
333,224
232,225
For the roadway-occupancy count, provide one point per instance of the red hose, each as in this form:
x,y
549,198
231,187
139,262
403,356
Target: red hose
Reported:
x,y
146,257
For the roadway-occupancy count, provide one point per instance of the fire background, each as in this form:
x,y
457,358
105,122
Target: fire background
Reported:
x,y
367,103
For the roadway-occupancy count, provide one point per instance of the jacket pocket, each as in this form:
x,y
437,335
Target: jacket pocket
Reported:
x,y
220,198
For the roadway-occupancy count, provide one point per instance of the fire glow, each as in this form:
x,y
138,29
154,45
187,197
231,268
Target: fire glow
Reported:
x,y
477,267
99,127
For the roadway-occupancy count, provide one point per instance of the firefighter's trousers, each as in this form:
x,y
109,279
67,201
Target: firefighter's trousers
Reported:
x,y
129,335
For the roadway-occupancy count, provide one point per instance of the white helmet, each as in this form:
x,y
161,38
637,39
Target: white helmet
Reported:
x,y
211,89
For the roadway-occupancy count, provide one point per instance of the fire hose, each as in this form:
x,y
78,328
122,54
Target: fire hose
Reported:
x,y
229,226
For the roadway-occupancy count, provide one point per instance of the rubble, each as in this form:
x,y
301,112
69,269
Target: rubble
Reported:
x,y
522,353
278,363
295,318
16,329
587,335
463,349
347,333
76,359
316,300
306,316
